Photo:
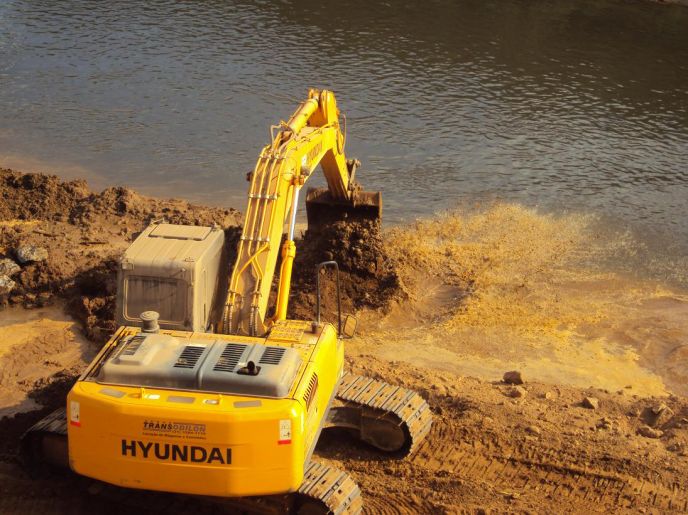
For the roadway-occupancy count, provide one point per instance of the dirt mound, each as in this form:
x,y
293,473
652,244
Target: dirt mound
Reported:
x,y
94,300
47,198
368,278
84,233
38,197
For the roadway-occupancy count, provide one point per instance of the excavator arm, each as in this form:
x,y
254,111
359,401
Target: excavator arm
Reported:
x,y
311,137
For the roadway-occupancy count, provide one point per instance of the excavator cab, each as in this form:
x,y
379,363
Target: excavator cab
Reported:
x,y
175,270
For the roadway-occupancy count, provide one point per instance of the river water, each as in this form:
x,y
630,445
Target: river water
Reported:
x,y
565,105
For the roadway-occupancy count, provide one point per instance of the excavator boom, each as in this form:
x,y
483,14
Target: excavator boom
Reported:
x,y
311,137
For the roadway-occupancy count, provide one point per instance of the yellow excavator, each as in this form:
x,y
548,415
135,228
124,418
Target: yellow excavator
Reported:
x,y
199,391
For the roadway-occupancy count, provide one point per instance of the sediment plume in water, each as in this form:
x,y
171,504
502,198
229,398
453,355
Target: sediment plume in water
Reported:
x,y
508,284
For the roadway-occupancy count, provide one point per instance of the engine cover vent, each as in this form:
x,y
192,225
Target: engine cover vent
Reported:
x,y
272,355
229,358
189,356
133,345
311,391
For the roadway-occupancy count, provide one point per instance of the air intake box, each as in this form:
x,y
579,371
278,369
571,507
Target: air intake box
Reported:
x,y
174,270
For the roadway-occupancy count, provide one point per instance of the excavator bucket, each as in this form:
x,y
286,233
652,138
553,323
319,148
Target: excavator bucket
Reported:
x,y
322,209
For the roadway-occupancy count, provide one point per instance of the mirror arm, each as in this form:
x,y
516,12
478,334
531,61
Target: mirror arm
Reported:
x,y
319,267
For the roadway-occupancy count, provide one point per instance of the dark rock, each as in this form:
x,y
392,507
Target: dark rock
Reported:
x,y
517,392
590,403
657,415
8,267
513,377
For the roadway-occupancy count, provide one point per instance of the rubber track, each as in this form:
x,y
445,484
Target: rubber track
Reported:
x,y
55,423
333,489
409,408
31,450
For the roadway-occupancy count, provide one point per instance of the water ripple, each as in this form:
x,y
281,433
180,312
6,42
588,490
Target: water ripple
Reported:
x,y
580,105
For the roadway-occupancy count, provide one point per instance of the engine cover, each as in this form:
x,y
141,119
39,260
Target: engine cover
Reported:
x,y
163,361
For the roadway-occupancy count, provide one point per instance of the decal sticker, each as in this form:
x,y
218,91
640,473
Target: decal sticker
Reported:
x,y
74,414
174,429
284,432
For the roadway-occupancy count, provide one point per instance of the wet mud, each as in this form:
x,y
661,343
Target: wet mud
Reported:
x,y
367,276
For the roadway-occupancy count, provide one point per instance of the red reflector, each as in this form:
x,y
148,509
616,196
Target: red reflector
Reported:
x,y
283,442
77,424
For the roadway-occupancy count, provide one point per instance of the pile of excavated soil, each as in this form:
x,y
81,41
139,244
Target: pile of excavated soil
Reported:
x,y
84,234
367,276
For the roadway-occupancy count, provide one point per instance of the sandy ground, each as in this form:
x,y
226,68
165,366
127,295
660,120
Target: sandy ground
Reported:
x,y
33,345
455,301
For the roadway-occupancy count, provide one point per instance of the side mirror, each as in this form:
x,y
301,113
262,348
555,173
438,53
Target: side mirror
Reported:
x,y
349,327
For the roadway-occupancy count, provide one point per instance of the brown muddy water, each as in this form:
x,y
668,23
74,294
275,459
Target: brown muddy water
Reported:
x,y
508,287
558,129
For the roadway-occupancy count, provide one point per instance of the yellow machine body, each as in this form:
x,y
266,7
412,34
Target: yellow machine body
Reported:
x,y
204,442
161,409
